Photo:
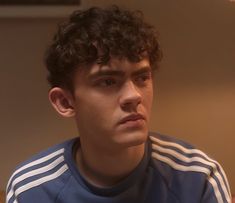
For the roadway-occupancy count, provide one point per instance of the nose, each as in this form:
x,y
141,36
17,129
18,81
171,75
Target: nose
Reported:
x,y
130,97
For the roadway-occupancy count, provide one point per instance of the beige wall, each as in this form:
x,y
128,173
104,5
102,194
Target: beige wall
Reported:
x,y
195,87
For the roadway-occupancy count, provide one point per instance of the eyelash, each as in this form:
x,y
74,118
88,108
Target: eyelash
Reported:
x,y
140,80
107,82
143,78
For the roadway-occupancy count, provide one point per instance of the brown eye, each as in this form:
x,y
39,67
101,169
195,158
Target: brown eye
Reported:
x,y
107,82
143,78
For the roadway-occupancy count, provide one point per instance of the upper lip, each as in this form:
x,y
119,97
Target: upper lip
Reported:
x,y
132,117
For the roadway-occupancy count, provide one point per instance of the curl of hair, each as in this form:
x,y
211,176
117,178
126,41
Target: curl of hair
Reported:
x,y
94,36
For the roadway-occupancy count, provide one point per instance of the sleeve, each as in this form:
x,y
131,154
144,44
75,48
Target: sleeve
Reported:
x,y
217,188
10,195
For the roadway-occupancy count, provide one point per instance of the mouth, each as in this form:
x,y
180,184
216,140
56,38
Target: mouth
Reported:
x,y
133,120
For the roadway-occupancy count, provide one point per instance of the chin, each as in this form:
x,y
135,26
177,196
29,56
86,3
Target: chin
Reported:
x,y
130,139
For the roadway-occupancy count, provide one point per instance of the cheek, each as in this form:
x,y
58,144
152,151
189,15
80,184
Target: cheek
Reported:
x,y
95,110
148,97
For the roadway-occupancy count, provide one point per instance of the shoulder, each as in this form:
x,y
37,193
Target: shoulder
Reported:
x,y
36,175
186,169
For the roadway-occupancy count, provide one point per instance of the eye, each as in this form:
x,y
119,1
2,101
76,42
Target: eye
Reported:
x,y
107,82
143,78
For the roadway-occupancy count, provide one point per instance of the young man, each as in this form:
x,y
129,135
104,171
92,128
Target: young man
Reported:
x,y
101,65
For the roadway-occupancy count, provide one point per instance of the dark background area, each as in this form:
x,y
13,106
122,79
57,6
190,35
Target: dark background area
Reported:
x,y
39,2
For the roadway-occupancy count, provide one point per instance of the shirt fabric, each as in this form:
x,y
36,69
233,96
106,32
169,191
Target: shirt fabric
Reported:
x,y
171,171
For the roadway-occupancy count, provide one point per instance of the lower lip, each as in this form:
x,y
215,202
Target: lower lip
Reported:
x,y
133,124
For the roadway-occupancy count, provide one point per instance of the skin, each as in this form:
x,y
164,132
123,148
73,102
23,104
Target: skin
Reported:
x,y
103,98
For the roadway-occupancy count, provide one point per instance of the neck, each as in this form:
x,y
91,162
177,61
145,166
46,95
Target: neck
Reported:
x,y
106,168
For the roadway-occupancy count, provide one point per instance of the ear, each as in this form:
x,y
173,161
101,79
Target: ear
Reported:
x,y
62,101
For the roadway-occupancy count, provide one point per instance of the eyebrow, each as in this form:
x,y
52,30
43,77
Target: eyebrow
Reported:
x,y
120,73
145,69
106,73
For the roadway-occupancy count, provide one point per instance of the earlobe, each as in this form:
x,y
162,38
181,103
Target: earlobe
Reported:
x,y
62,101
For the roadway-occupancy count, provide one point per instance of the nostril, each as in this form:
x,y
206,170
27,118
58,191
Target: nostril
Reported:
x,y
130,104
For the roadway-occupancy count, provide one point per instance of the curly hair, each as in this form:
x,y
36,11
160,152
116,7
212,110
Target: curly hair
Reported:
x,y
94,36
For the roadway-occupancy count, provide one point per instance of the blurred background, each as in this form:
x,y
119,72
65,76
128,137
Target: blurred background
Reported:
x,y
194,88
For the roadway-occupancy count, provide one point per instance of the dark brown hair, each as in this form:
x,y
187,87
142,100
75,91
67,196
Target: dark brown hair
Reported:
x,y
94,36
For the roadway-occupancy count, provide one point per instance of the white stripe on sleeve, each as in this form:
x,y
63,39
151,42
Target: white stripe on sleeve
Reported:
x,y
40,181
33,173
33,163
205,160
